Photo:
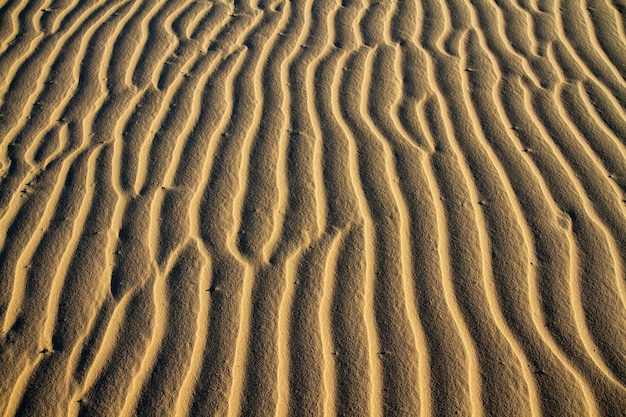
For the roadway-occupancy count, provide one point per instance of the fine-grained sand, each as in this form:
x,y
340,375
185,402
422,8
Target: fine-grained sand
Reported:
x,y
313,208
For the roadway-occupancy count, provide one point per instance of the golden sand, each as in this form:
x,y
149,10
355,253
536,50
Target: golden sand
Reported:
x,y
313,208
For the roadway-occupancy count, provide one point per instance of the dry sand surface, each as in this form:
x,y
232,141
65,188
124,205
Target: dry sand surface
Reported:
x,y
313,208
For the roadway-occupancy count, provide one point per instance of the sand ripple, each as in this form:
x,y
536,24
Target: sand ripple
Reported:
x,y
313,208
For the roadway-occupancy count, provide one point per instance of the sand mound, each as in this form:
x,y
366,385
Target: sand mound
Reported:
x,y
313,208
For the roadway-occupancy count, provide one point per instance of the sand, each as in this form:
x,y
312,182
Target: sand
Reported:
x,y
313,208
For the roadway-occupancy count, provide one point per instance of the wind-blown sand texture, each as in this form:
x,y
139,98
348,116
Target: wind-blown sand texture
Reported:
x,y
316,207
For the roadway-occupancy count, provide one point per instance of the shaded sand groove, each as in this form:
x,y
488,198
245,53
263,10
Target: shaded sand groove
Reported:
x,y
323,207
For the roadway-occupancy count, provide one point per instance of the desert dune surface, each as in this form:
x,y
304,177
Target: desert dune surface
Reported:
x,y
313,208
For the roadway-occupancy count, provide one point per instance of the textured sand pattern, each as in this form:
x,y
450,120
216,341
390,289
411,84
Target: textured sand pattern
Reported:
x,y
316,207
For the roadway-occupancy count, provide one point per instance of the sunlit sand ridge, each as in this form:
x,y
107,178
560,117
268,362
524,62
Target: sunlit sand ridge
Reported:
x,y
313,208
